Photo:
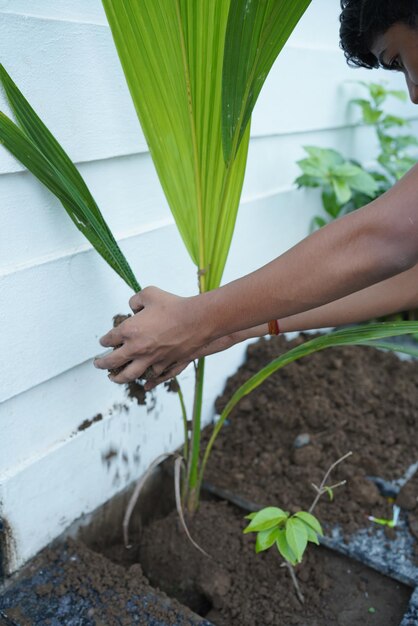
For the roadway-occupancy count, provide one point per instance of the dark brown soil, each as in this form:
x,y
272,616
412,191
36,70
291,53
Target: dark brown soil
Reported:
x,y
338,400
71,584
135,389
341,399
344,399
245,589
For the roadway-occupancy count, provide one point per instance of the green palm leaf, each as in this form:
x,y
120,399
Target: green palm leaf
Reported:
x,y
364,335
256,33
36,148
172,54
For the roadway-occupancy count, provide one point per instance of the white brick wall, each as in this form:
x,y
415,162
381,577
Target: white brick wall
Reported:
x,y
57,296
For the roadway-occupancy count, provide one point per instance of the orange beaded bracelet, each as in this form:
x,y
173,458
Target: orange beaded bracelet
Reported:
x,y
274,327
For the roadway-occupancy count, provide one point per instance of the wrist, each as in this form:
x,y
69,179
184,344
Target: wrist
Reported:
x,y
204,320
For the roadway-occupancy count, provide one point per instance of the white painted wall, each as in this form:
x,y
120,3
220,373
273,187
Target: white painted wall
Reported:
x,y
57,296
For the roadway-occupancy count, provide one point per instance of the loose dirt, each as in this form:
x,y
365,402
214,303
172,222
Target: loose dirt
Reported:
x,y
279,440
341,399
236,587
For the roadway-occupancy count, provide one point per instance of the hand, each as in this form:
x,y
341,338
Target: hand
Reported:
x,y
164,331
218,345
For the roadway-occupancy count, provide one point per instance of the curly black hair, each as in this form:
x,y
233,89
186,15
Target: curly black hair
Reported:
x,y
364,20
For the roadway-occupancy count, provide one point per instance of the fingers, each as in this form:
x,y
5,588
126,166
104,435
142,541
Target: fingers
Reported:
x,y
113,338
116,358
166,375
130,372
136,302
119,335
148,296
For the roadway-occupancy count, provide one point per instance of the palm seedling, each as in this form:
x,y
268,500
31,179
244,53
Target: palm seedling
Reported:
x,y
181,60
194,70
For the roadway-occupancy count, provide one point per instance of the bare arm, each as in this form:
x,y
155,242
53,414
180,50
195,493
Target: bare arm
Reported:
x,y
345,257
399,293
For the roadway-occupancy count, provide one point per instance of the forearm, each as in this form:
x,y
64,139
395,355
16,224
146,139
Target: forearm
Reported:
x,y
399,293
351,254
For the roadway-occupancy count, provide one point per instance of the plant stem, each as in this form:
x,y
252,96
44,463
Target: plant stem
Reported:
x,y
194,452
322,489
294,581
184,417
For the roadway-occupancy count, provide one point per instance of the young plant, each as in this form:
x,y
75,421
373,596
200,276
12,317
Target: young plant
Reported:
x,y
344,184
290,534
395,157
347,185
390,523
194,70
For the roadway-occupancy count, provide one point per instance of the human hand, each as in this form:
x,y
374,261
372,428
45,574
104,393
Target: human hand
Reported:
x,y
218,345
163,332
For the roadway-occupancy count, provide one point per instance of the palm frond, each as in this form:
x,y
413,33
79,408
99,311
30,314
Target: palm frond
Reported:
x,y
256,33
172,54
37,149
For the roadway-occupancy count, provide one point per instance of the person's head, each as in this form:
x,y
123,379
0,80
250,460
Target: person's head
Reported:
x,y
382,33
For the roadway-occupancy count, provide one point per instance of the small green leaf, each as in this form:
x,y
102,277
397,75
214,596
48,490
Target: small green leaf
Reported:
x,y
364,182
307,181
284,548
330,202
346,170
296,537
265,539
251,515
378,92
313,168
326,156
266,518
312,536
370,115
399,94
310,520
330,493
389,121
317,222
342,190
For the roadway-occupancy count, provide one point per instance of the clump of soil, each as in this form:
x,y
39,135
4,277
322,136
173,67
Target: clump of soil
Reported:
x,y
70,584
89,422
136,390
238,587
285,434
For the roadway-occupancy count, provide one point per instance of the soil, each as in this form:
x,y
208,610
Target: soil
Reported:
x,y
72,585
236,587
135,389
277,441
287,433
